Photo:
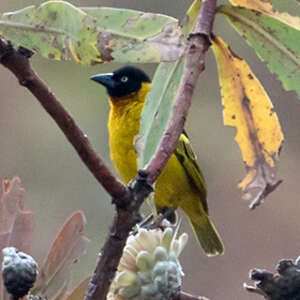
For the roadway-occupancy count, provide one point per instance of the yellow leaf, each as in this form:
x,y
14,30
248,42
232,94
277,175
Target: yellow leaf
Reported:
x,y
253,4
248,108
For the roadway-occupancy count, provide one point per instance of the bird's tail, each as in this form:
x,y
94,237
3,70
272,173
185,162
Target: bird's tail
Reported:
x,y
207,236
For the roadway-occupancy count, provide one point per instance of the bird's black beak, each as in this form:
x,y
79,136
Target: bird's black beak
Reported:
x,y
105,79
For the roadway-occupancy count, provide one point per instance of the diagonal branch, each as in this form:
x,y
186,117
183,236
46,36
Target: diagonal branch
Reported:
x,y
127,200
197,46
18,63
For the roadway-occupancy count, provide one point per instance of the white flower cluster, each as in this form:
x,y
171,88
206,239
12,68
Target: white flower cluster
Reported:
x,y
149,267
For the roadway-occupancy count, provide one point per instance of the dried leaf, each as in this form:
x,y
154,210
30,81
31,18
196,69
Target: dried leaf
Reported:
x,y
16,224
79,291
248,108
62,292
68,246
58,30
22,234
12,198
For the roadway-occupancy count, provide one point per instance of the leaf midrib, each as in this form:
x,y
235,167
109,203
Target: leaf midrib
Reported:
x,y
261,32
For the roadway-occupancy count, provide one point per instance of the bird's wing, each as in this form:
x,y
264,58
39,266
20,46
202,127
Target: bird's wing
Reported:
x,y
187,158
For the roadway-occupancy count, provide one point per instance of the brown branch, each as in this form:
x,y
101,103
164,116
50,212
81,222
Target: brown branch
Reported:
x,y
197,46
111,253
18,63
205,22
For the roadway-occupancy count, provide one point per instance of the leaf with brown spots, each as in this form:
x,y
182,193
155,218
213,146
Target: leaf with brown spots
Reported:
x,y
68,246
265,7
58,30
16,223
274,37
284,10
248,108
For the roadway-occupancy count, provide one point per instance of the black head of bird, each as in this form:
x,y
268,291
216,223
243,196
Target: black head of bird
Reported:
x,y
123,81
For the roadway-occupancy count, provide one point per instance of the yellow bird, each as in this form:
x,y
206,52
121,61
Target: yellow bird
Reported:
x,y
181,183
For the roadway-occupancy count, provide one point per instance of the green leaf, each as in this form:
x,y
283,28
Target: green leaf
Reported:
x,y
138,36
188,22
127,22
275,42
157,109
59,30
265,7
159,104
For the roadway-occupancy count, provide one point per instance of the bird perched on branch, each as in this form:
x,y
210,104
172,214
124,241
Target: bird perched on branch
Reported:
x,y
181,183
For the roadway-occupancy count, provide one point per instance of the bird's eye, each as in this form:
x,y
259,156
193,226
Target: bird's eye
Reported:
x,y
124,79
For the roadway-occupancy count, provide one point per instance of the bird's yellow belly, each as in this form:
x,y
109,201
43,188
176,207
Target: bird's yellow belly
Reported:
x,y
123,127
124,159
172,186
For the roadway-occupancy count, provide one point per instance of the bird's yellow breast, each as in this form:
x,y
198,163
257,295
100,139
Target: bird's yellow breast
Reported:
x,y
123,126
124,123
